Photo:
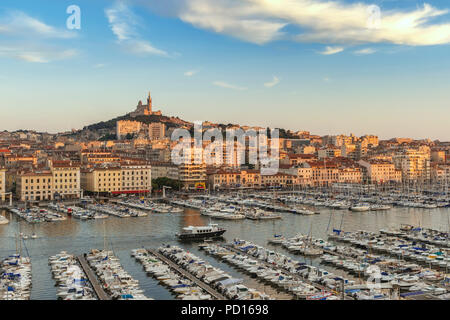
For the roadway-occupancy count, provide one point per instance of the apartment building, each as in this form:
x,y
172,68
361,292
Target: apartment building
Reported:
x,y
124,127
414,164
157,130
134,178
165,170
66,179
350,175
294,159
98,157
158,155
61,180
372,140
308,149
34,185
234,178
440,173
323,174
2,184
192,176
329,152
102,179
349,151
192,170
12,160
303,173
438,156
380,171
279,179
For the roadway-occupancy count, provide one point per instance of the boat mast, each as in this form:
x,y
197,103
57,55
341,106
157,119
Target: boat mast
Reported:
x,y
104,236
329,221
20,239
342,220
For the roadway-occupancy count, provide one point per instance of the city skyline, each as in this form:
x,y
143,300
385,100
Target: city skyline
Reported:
x,y
264,67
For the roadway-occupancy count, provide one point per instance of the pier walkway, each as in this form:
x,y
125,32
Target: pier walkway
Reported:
x,y
188,275
101,294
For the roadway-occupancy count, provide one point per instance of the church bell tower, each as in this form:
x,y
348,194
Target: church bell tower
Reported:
x,y
149,104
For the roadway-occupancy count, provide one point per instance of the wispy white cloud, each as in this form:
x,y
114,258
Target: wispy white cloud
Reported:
x,y
143,47
32,57
36,55
272,83
190,73
99,65
365,51
28,39
321,21
124,23
226,85
331,50
19,23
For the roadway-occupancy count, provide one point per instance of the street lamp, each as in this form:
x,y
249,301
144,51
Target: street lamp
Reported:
x,y
164,190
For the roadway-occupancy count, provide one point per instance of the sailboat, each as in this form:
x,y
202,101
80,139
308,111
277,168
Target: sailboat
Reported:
x,y
309,249
3,220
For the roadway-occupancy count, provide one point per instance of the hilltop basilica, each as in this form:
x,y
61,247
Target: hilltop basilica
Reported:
x,y
145,109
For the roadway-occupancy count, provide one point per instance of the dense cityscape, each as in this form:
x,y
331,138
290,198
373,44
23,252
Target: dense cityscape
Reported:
x,y
128,171
41,166
223,158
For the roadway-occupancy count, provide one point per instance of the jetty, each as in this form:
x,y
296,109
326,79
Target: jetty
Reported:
x,y
188,275
101,294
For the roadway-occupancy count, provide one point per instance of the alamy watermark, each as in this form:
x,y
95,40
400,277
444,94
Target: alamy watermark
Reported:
x,y
240,147
74,20
373,17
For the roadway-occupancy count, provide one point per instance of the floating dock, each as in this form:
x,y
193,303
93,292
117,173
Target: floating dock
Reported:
x,y
188,275
101,294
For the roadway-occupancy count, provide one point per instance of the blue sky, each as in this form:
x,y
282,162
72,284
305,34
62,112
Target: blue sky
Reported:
x,y
323,66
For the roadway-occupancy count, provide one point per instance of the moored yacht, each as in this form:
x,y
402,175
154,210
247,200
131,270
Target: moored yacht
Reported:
x,y
193,232
3,220
360,208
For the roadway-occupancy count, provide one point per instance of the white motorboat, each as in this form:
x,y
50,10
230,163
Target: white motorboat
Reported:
x,y
360,208
3,220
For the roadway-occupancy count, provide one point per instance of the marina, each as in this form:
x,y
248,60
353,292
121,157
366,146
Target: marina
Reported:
x,y
212,292
117,283
267,272
16,278
99,292
37,215
212,277
71,281
323,256
225,155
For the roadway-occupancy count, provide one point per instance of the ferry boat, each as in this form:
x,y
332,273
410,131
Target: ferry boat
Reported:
x,y
192,232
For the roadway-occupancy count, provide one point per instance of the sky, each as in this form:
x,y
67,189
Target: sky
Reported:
x,y
327,66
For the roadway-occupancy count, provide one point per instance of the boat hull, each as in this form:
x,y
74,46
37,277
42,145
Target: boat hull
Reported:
x,y
195,236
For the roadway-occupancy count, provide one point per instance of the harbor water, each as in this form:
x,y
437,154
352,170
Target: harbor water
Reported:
x,y
124,234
